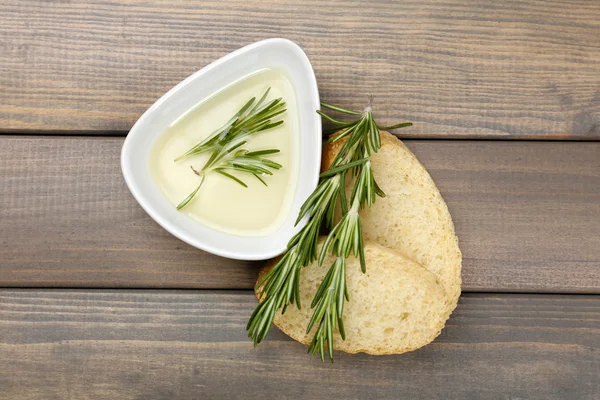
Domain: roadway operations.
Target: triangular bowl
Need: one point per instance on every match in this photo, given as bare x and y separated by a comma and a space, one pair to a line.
270, 53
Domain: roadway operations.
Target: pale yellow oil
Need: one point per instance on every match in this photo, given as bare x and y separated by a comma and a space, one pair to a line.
221, 203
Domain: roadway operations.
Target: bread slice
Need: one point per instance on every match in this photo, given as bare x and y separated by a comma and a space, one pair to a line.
412, 219
395, 307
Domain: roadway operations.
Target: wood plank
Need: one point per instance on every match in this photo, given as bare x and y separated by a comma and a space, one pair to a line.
517, 69
188, 344
526, 213
68, 219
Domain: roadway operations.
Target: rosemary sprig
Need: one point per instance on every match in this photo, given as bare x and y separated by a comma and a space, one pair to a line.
280, 287
249, 120
224, 145
249, 162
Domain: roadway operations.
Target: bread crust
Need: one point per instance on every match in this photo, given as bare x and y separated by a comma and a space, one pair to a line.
416, 331
407, 183
405, 247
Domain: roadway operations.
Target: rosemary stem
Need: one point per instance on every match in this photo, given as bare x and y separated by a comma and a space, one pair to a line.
281, 285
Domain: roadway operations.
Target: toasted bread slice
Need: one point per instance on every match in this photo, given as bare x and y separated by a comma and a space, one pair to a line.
413, 218
395, 307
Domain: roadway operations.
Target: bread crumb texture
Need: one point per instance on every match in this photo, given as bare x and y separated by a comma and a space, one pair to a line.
395, 307
412, 218
412, 283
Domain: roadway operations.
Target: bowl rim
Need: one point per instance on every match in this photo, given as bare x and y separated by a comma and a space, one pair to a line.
171, 226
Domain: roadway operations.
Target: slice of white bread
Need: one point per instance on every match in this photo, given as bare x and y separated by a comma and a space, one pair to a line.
395, 307
413, 218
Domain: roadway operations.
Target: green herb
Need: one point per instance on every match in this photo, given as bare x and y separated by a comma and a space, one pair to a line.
224, 144
281, 285
244, 161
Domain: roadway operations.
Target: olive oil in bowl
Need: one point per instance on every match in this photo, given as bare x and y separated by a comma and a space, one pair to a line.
257, 209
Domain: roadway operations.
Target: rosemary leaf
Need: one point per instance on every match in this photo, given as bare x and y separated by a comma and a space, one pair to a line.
401, 125
339, 109
262, 152
342, 168
330, 119
220, 171
190, 196
260, 179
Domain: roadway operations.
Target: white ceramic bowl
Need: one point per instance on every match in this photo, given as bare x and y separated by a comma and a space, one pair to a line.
270, 53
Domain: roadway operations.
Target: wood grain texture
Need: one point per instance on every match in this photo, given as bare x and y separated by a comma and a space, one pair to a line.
188, 344
68, 219
517, 69
527, 215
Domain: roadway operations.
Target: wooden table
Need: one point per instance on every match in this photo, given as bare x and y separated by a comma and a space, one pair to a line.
99, 302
